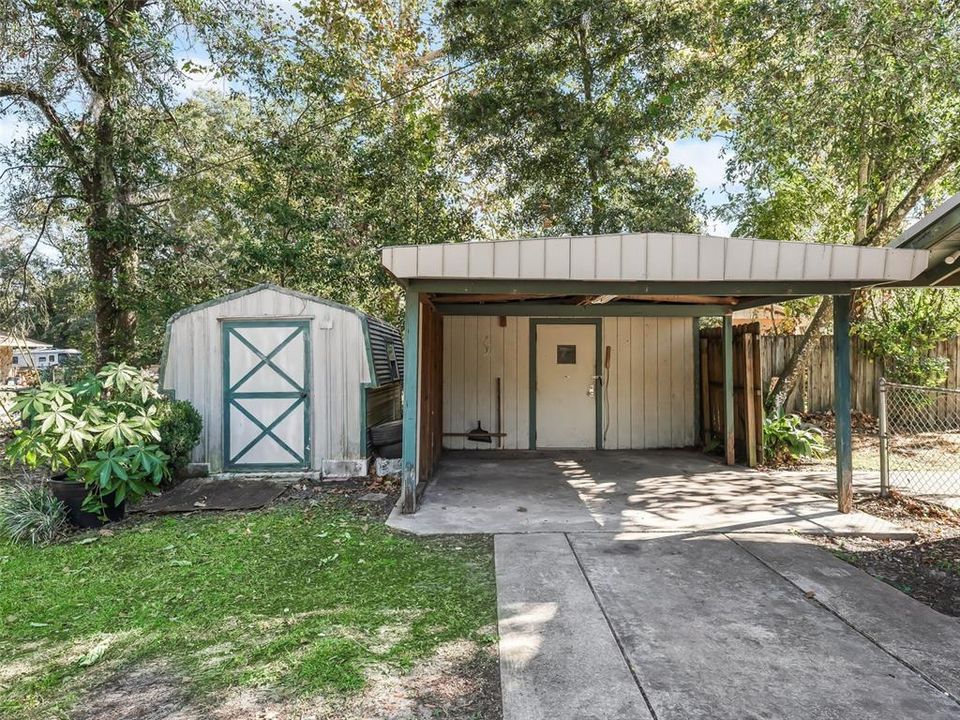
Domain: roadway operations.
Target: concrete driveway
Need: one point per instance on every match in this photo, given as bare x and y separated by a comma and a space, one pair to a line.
664, 585
680, 626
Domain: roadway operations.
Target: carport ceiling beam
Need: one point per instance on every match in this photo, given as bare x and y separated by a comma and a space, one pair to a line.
526, 309
597, 299
785, 288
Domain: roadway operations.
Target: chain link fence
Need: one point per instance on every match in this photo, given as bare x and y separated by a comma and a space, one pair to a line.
919, 439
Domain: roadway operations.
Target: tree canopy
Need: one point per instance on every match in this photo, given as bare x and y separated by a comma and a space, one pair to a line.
341, 127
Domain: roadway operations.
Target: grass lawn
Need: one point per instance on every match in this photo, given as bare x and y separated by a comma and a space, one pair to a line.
302, 602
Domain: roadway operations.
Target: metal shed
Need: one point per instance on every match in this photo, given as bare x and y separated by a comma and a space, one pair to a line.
284, 381
590, 340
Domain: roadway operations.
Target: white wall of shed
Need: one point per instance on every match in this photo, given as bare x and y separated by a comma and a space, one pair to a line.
194, 371
649, 401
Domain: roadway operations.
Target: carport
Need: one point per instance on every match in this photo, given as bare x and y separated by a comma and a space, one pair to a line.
588, 342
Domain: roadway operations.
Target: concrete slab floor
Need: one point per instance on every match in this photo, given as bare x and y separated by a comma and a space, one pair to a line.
711, 628
618, 491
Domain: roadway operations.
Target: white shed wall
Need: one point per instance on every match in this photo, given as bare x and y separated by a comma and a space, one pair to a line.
340, 365
648, 403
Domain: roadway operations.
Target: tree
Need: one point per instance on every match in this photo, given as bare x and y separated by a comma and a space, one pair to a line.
845, 120
904, 327
97, 78
566, 107
336, 149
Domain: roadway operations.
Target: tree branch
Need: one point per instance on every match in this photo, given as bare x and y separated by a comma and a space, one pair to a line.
922, 184
92, 77
38, 100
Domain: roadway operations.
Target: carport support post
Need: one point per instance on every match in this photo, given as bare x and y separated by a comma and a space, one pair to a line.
728, 439
411, 371
841, 401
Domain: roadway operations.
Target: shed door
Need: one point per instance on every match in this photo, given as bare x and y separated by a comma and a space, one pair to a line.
266, 395
566, 385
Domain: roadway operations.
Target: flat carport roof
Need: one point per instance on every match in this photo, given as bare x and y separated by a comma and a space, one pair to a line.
629, 275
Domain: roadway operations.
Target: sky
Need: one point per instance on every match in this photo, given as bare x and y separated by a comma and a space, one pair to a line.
706, 159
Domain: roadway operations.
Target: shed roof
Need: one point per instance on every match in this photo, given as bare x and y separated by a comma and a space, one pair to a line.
378, 334
703, 260
22, 343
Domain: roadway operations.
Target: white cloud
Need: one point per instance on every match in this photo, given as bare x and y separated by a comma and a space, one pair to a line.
12, 128
706, 159
202, 79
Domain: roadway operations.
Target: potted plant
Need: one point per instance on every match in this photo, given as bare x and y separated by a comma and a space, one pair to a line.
99, 439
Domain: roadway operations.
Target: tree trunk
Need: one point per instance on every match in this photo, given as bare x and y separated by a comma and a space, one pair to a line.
597, 210
113, 268
791, 373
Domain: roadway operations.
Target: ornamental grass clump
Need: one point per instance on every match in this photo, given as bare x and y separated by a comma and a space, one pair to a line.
30, 514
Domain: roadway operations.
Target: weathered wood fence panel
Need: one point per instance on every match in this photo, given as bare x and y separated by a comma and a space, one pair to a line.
815, 392
747, 400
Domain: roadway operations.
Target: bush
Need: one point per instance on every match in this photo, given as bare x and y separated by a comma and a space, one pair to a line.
902, 328
101, 431
30, 514
179, 424
785, 437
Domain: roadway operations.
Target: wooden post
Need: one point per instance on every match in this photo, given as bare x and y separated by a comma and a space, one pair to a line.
749, 401
705, 420
411, 352
841, 401
758, 397
728, 388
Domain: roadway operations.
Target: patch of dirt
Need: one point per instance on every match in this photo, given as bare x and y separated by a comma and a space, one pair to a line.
927, 568
147, 692
939, 448
864, 427
374, 496
459, 682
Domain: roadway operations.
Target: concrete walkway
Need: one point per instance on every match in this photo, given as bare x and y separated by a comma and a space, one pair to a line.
611, 491
682, 626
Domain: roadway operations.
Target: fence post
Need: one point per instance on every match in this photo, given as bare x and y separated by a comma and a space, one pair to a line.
728, 414
882, 412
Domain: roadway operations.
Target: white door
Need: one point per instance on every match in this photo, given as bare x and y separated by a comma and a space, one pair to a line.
566, 356
266, 399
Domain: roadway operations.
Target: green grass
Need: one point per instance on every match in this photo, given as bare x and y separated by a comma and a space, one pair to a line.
293, 599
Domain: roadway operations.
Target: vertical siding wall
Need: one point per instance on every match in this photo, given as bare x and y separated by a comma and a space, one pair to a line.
339, 367
648, 402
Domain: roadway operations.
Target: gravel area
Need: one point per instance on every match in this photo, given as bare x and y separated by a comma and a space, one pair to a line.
927, 568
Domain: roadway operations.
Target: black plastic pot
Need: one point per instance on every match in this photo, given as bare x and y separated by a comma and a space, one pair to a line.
72, 495
391, 452
387, 433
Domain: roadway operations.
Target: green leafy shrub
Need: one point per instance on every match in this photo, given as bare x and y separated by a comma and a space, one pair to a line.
902, 328
102, 431
786, 438
179, 424
30, 514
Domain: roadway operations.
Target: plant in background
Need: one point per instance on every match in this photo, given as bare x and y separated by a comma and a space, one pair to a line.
102, 431
902, 328
179, 424
787, 438
30, 514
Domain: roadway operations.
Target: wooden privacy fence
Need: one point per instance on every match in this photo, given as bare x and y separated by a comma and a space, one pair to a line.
747, 391
815, 391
